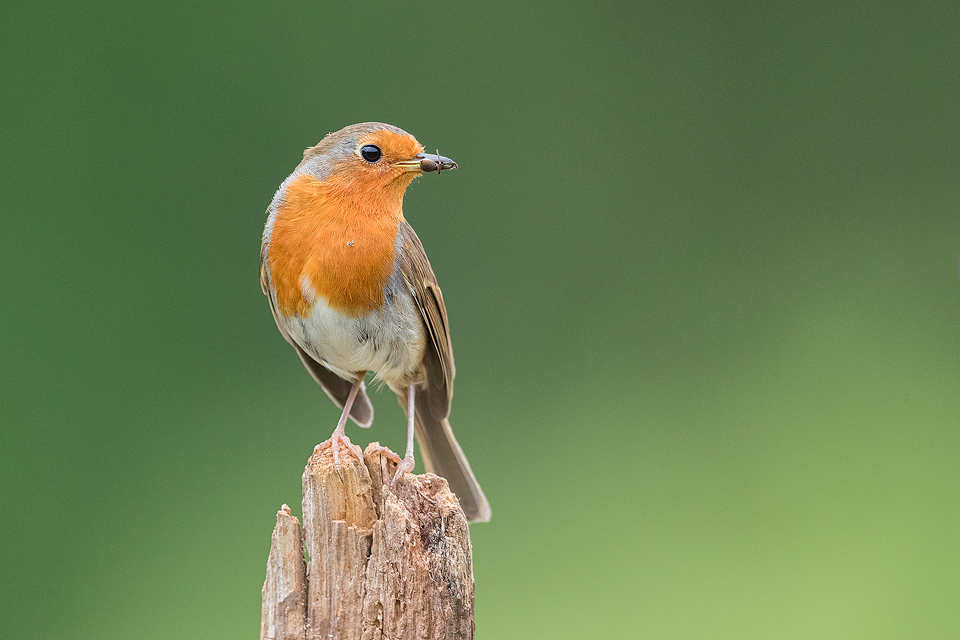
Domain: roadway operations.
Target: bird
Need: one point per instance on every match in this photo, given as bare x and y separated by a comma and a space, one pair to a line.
351, 289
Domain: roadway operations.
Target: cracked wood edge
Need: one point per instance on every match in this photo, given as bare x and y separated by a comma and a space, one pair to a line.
283, 614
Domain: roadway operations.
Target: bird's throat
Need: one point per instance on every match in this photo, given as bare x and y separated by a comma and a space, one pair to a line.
335, 242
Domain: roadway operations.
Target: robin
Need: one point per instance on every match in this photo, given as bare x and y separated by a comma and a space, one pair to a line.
352, 291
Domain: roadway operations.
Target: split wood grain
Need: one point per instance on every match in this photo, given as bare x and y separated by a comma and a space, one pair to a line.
283, 615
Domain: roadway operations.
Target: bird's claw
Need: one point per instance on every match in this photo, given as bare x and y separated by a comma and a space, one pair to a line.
334, 442
402, 465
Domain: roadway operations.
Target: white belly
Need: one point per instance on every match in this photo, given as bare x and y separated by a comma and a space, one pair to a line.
389, 341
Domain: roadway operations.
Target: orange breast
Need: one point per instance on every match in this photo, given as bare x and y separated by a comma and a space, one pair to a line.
340, 241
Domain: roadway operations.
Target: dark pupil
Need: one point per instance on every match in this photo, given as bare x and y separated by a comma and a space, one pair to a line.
370, 152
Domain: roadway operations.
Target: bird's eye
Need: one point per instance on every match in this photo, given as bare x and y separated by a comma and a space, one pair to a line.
370, 152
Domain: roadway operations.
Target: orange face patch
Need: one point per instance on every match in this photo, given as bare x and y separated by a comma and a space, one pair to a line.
395, 146
358, 178
339, 236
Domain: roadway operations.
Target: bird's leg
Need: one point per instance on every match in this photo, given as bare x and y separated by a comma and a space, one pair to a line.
339, 436
407, 463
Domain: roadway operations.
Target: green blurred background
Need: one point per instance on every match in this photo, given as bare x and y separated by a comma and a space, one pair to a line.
701, 264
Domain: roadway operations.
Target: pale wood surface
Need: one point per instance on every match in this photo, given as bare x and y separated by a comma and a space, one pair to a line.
284, 611
382, 564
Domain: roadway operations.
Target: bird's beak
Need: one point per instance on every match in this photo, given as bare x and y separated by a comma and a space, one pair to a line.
427, 162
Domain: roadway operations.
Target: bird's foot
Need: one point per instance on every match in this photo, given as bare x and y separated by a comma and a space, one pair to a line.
335, 442
402, 465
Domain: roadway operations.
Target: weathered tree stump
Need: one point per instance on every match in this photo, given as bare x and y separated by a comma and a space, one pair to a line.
382, 564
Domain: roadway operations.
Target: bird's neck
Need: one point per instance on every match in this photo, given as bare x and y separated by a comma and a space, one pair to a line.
334, 242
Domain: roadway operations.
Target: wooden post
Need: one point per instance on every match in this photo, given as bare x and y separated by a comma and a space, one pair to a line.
382, 564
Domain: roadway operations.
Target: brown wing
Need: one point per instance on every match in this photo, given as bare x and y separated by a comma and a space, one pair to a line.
438, 358
439, 448
336, 388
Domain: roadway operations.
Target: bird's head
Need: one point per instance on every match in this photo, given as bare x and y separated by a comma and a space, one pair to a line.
373, 157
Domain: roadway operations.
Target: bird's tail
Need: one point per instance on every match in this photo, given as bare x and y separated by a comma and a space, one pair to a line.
443, 456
